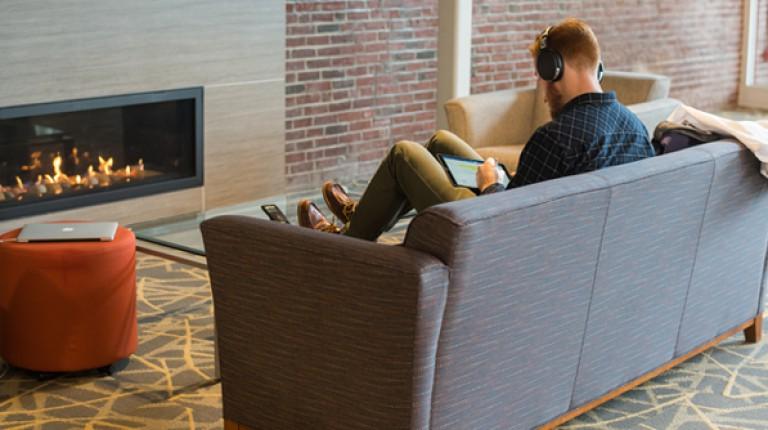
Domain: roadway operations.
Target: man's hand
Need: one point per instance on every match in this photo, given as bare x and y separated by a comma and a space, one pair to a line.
487, 174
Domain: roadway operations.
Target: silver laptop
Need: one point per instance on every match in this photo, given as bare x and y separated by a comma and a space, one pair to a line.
101, 231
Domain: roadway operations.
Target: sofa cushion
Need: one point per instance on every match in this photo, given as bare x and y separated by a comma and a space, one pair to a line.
733, 236
522, 264
646, 259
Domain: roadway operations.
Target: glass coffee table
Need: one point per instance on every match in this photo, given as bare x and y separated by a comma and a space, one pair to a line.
177, 237
182, 233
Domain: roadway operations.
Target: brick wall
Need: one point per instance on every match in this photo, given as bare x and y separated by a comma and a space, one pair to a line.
361, 75
696, 43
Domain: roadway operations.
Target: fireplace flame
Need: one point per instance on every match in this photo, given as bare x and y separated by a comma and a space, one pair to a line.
58, 176
57, 165
56, 181
105, 166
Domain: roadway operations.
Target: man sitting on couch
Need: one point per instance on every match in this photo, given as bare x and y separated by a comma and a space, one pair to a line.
589, 130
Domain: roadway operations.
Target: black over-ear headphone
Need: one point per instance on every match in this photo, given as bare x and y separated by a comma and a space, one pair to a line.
549, 62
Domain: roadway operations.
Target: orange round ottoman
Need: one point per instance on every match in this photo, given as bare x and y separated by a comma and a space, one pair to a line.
67, 306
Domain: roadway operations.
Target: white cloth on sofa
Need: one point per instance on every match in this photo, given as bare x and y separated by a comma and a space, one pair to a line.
752, 134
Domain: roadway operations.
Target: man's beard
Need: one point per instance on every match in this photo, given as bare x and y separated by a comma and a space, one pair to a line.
554, 100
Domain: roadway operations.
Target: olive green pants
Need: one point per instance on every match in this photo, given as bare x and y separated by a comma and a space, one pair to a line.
410, 176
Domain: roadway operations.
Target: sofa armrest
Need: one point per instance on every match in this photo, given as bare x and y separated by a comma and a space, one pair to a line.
322, 331
654, 112
492, 119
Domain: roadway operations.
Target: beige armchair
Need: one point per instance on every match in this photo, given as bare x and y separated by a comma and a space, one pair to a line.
498, 124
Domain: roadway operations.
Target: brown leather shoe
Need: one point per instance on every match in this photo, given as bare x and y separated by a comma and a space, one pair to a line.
338, 201
310, 216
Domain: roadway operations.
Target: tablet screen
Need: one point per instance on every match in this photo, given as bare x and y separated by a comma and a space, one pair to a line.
464, 171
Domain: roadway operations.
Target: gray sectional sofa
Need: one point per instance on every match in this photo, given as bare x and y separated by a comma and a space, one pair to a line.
516, 310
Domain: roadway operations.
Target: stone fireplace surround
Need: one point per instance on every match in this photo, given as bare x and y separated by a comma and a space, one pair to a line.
71, 154
77, 49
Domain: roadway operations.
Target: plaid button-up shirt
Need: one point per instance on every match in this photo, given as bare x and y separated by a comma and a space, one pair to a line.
592, 131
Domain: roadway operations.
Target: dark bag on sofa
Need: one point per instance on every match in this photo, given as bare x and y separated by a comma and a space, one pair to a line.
673, 136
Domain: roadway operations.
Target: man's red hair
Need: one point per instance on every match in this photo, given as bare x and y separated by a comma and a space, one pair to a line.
575, 41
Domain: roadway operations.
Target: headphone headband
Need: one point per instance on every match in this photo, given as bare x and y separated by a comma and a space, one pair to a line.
543, 38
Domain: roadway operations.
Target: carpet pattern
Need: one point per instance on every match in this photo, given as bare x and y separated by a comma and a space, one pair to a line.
724, 388
169, 383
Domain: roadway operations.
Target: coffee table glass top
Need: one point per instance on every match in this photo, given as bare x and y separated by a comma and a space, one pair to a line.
183, 232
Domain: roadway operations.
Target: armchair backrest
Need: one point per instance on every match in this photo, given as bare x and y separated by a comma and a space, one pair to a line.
631, 88
492, 119
509, 117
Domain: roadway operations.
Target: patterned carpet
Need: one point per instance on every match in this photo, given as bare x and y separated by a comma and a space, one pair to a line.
169, 383
725, 388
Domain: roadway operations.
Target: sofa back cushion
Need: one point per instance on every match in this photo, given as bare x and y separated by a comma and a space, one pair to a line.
726, 287
646, 258
521, 272
563, 290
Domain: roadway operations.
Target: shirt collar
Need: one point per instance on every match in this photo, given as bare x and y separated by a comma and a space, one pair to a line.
591, 98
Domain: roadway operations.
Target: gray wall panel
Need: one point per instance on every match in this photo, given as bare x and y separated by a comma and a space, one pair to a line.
70, 49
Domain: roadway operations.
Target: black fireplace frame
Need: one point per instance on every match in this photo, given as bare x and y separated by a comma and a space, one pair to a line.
107, 196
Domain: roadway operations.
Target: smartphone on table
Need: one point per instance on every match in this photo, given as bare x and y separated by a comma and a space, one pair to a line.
275, 214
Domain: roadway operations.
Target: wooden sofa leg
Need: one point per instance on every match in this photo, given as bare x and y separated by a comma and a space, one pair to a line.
754, 333
232, 425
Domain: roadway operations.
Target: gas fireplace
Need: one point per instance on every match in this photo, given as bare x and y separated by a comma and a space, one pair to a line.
68, 154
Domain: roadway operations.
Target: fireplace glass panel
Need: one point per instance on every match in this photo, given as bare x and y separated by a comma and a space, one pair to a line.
80, 155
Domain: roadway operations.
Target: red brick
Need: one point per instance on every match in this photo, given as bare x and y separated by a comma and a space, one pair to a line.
300, 123
318, 40
327, 141
309, 76
315, 132
295, 135
315, 110
295, 157
294, 65
336, 151
301, 167
302, 53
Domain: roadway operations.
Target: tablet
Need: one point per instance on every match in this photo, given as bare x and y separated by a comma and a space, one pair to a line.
463, 171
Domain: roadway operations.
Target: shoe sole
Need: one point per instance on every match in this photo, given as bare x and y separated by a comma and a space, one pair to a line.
301, 214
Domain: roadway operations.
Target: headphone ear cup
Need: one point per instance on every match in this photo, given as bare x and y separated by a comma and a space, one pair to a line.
600, 72
549, 65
